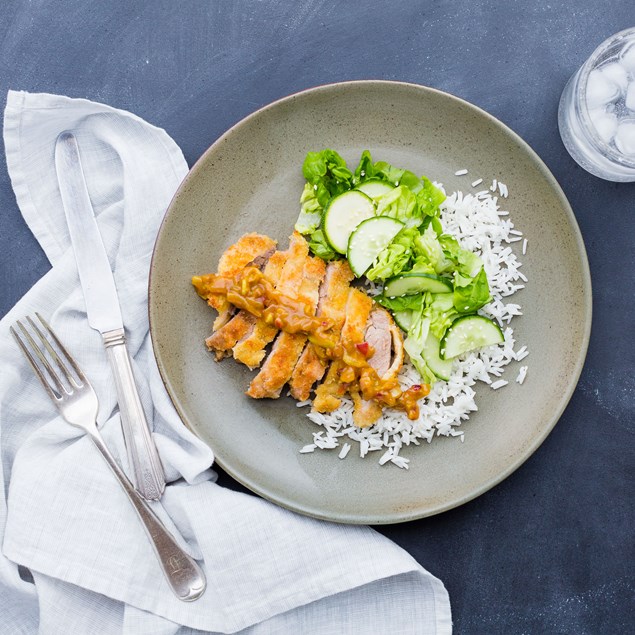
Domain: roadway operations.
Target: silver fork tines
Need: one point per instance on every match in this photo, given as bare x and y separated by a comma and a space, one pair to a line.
77, 402
57, 389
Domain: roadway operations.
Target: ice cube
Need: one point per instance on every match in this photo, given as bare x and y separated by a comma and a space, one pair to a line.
629, 102
617, 74
605, 123
625, 137
627, 58
600, 90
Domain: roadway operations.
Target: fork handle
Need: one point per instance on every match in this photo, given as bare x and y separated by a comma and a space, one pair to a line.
182, 573
142, 452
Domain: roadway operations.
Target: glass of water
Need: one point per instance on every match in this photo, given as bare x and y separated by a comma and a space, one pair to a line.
597, 110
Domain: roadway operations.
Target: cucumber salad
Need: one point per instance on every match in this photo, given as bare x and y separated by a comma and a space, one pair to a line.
386, 222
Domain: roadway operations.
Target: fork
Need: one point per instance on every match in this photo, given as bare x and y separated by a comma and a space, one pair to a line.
77, 402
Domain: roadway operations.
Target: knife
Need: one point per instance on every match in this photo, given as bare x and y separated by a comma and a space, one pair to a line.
104, 315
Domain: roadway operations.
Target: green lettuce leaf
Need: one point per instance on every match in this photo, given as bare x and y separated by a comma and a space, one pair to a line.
429, 255
422, 265
388, 172
310, 211
365, 169
429, 198
397, 176
403, 303
470, 293
399, 203
467, 262
413, 344
327, 172
441, 313
394, 258
320, 247
437, 226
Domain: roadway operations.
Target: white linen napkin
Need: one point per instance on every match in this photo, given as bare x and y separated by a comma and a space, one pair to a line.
74, 556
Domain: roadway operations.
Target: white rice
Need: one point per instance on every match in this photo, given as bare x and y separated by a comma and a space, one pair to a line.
345, 450
480, 226
460, 172
522, 373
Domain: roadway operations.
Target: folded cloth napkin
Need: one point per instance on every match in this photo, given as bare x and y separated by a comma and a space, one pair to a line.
74, 556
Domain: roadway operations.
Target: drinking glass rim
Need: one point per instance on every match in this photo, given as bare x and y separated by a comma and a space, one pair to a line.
581, 103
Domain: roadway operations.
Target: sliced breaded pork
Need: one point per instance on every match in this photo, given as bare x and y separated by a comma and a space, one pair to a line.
241, 324
248, 249
286, 350
250, 350
365, 411
297, 297
222, 341
332, 305
383, 335
286, 274
358, 308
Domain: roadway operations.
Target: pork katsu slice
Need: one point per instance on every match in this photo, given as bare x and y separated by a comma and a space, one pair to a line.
259, 262
246, 250
293, 270
222, 341
332, 305
241, 324
286, 274
278, 367
358, 307
365, 411
387, 341
250, 350
385, 338
249, 249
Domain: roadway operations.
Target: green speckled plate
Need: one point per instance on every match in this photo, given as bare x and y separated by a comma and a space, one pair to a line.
250, 180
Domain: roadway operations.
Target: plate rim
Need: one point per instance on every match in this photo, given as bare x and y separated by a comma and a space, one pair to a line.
587, 302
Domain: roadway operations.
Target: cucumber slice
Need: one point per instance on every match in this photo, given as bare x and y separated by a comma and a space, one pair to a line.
467, 333
442, 368
368, 240
343, 214
375, 188
413, 283
404, 319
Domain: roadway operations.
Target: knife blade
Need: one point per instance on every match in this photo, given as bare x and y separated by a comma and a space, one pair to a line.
104, 314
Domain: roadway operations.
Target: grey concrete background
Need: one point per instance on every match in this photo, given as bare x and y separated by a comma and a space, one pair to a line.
550, 550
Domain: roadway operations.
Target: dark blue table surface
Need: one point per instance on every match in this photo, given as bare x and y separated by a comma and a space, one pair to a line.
549, 550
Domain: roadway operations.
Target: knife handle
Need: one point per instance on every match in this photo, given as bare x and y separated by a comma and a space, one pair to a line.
142, 453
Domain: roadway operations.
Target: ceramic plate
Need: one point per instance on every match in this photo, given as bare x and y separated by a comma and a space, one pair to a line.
251, 180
